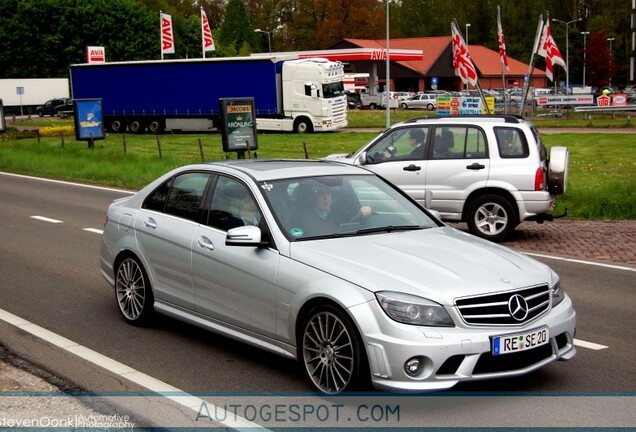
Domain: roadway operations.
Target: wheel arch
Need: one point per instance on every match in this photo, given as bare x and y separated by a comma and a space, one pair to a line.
507, 195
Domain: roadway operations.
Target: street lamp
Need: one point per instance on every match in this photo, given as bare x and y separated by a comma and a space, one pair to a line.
584, 53
269, 38
467, 25
610, 39
567, 52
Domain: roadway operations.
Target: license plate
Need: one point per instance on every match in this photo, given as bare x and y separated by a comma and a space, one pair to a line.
520, 341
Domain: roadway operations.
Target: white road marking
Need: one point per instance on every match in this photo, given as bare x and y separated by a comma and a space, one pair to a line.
45, 219
578, 261
94, 230
590, 345
182, 398
69, 183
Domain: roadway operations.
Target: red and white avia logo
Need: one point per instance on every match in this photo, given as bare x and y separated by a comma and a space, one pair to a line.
95, 54
167, 37
206, 32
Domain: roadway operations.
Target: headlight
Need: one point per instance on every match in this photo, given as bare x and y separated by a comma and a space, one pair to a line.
410, 309
558, 294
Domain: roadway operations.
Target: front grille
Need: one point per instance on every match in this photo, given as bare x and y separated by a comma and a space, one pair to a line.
489, 363
495, 309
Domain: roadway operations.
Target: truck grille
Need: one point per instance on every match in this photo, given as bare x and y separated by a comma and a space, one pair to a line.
509, 308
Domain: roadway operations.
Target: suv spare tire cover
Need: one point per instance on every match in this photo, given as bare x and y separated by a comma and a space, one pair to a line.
558, 170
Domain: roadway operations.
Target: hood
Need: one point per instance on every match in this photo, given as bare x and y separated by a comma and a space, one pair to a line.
440, 264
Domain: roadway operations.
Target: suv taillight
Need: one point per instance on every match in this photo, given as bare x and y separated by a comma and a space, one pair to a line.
539, 180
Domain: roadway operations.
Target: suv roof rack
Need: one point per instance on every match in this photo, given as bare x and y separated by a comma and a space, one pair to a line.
507, 118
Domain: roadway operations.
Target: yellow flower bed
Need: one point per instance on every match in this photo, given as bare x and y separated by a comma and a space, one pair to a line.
48, 131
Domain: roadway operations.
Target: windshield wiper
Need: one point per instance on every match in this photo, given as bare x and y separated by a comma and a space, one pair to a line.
389, 228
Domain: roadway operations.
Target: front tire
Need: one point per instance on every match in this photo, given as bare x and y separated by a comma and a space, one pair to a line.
303, 125
491, 217
332, 350
133, 292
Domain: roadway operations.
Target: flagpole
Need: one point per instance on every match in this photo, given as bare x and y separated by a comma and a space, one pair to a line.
503, 72
531, 65
161, 33
202, 35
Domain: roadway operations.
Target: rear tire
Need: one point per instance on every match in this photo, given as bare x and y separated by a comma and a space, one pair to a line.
491, 217
133, 292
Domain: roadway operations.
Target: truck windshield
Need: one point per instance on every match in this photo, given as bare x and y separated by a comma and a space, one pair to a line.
332, 90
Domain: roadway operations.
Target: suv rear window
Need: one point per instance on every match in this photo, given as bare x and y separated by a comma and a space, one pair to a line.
511, 143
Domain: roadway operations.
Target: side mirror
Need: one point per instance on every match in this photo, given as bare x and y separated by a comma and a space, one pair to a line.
244, 236
363, 158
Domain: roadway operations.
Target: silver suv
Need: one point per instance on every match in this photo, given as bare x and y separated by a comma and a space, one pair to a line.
492, 172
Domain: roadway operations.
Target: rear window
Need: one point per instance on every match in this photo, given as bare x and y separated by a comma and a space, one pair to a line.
511, 143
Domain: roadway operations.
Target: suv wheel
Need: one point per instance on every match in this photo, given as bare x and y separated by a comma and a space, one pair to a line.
491, 217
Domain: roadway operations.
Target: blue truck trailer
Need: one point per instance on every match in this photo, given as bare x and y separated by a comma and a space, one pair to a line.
305, 95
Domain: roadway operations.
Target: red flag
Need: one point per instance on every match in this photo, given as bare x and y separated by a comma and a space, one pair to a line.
206, 33
501, 41
549, 50
167, 36
462, 63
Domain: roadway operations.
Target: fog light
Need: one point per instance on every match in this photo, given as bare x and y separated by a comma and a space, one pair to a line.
413, 366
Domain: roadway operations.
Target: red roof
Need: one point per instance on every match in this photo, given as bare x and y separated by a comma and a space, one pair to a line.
485, 59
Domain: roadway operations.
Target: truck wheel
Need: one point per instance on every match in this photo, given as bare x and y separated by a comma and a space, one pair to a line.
137, 126
558, 170
156, 126
372, 106
117, 125
491, 217
303, 125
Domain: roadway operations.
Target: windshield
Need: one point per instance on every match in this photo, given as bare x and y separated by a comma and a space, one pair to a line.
332, 90
337, 206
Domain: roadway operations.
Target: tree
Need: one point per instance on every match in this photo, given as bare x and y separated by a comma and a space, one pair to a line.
236, 34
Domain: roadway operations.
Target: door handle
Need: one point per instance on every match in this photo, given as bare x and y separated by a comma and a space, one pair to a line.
412, 167
476, 166
150, 223
205, 243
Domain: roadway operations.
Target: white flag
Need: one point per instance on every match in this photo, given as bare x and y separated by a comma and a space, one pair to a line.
167, 36
206, 33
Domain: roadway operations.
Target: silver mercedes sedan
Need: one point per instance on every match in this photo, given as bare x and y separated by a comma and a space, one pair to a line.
329, 264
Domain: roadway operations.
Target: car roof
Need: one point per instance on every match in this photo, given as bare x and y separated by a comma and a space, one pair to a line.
500, 119
272, 169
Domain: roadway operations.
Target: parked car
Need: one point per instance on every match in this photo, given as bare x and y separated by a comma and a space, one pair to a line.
492, 172
420, 101
56, 107
353, 100
378, 291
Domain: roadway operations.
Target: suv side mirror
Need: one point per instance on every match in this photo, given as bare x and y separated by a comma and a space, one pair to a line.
363, 158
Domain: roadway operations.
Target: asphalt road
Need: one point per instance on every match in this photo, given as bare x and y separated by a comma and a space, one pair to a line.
49, 276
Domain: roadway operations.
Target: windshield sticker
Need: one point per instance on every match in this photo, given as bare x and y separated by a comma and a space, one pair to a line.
296, 232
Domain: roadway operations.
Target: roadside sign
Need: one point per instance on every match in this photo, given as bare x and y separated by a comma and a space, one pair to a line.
565, 100
238, 125
89, 124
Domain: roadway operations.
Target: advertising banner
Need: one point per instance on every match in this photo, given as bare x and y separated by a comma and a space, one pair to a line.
238, 124
89, 124
454, 105
565, 100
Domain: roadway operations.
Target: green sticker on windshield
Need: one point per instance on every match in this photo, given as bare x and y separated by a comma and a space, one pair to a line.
296, 232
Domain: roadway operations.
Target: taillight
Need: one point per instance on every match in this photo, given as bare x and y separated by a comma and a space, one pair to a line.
539, 180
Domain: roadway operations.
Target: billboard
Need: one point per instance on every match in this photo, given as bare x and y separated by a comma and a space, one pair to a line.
89, 124
238, 125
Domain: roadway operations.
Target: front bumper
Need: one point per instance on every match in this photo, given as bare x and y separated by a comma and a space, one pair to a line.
452, 355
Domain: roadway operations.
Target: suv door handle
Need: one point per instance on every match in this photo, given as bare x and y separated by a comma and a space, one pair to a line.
476, 166
412, 167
